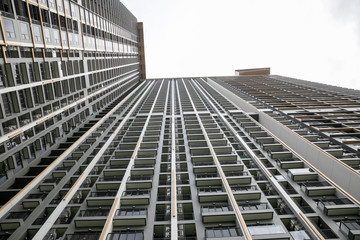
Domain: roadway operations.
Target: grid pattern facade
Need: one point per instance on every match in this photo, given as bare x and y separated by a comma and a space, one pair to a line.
61, 63
180, 159
87, 151
64, 65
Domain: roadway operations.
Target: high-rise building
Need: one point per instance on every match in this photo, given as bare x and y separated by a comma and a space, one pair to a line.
89, 151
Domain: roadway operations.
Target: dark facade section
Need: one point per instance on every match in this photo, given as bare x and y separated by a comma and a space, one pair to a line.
141, 50
64, 64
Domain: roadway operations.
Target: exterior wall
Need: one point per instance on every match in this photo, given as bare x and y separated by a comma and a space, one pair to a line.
252, 72
343, 175
141, 51
63, 65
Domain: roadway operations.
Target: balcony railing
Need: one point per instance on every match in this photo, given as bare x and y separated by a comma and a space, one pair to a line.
103, 194
139, 193
136, 235
215, 208
86, 235
131, 212
94, 212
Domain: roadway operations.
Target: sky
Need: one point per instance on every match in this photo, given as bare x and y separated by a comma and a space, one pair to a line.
317, 40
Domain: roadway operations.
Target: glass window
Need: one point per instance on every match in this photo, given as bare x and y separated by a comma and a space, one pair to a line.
2, 77
9, 28
17, 74
5, 6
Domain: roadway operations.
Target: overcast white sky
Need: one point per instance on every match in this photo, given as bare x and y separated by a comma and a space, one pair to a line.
316, 40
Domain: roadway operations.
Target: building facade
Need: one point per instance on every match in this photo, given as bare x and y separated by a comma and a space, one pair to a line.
89, 151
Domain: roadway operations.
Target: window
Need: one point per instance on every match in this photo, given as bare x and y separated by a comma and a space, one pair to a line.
253, 206
45, 16
215, 208
129, 235
6, 103
18, 159
5, 6
349, 225
54, 19
42, 70
36, 96
9, 28
22, 99
2, 77
18, 215
17, 74
31, 73
21, 12
220, 232
34, 13
132, 212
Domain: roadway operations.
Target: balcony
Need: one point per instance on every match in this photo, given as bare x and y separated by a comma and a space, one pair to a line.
109, 183
224, 232
135, 197
290, 163
302, 174
303, 205
139, 182
14, 220
204, 167
113, 172
91, 218
281, 155
134, 235
217, 212
33, 200
48, 184
208, 179
162, 217
237, 177
351, 228
256, 211
245, 193
145, 168
212, 194
101, 198
130, 217
83, 235
314, 189
337, 206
